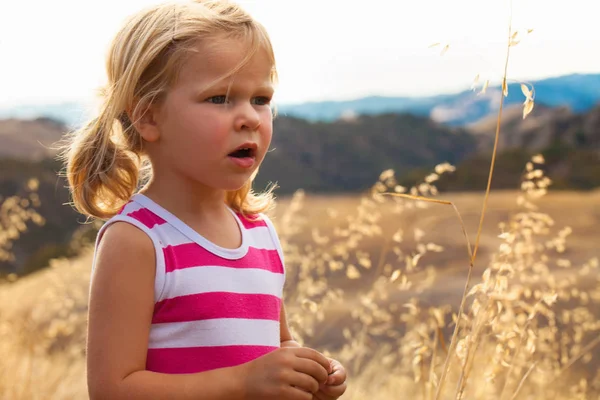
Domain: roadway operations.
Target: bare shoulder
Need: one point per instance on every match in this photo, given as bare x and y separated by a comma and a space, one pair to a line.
122, 241
125, 236
125, 262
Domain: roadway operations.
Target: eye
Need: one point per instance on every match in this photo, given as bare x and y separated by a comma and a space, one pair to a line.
222, 99
261, 101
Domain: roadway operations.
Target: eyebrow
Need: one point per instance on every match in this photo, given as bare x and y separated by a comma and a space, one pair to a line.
266, 88
221, 87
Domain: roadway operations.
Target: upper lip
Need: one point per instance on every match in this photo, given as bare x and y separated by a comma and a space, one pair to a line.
248, 145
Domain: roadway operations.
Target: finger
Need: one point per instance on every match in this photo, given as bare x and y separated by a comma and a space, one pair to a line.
303, 381
339, 373
298, 394
314, 355
322, 396
311, 368
338, 377
331, 391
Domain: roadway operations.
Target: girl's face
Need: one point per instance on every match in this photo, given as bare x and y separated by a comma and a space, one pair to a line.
214, 131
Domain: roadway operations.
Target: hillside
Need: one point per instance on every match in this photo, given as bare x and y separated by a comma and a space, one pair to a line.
346, 156
349, 155
29, 139
569, 142
543, 128
53, 239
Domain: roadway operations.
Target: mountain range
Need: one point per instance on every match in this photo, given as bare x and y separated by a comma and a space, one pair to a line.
578, 92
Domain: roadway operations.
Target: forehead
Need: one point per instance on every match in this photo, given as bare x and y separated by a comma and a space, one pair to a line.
214, 62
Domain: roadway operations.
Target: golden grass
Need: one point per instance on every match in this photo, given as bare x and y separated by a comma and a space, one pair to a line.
376, 281
15, 213
513, 340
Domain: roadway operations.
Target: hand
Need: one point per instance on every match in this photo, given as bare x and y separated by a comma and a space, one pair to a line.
290, 373
335, 385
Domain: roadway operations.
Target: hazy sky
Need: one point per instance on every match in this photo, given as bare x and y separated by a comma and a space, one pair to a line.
53, 51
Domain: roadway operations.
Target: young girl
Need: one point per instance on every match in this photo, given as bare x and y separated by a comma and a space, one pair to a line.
186, 293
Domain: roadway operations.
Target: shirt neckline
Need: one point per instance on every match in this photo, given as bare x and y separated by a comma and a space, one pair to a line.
193, 235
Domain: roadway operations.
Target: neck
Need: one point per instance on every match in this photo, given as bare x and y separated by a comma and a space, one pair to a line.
185, 197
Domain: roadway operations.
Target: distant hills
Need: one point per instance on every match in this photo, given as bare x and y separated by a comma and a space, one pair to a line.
569, 142
543, 128
345, 155
578, 92
349, 155
316, 156
29, 139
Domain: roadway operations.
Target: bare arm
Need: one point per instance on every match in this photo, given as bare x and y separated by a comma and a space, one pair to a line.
120, 314
286, 338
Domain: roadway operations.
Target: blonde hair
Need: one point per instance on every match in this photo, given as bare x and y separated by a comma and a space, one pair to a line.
105, 160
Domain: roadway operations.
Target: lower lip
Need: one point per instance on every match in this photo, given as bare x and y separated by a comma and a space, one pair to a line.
246, 162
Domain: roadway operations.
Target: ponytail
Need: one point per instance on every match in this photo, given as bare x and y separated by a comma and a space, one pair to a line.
103, 171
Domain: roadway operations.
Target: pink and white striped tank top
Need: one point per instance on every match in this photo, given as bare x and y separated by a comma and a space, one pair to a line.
214, 307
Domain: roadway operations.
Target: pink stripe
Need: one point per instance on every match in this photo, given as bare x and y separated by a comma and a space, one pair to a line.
122, 208
189, 255
146, 217
249, 221
213, 305
190, 360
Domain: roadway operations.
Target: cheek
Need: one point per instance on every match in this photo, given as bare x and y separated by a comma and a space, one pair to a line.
199, 129
267, 125
266, 134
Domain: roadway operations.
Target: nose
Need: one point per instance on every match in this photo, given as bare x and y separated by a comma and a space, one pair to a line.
247, 118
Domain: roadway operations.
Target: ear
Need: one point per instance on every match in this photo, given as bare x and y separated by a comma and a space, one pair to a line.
145, 122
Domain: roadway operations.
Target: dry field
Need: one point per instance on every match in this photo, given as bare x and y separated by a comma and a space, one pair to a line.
377, 282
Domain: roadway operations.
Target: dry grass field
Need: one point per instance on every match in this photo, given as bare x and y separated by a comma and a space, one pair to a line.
377, 281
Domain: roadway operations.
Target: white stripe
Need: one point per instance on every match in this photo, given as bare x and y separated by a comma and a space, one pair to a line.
215, 332
189, 281
132, 206
275, 238
170, 236
258, 237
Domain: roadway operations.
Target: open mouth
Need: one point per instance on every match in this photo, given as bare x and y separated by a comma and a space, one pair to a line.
244, 152
244, 156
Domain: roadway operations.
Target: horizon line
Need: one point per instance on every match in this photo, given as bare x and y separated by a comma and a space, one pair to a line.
89, 101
